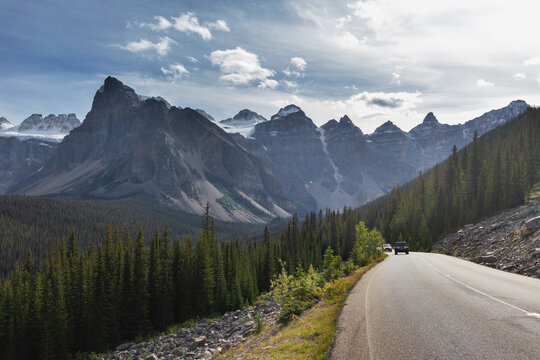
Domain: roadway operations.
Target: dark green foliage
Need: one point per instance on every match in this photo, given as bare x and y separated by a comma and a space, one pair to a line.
81, 300
40, 223
493, 173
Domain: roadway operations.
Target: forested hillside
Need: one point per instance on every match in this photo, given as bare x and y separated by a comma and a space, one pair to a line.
36, 224
493, 173
81, 300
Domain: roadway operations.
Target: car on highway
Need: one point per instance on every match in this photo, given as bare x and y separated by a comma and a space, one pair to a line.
401, 246
387, 248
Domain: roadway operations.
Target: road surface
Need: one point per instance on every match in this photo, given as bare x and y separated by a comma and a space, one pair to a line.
432, 306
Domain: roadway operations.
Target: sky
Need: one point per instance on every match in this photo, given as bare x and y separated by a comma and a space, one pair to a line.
374, 60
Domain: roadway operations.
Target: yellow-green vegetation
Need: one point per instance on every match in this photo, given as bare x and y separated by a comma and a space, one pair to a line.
308, 336
534, 194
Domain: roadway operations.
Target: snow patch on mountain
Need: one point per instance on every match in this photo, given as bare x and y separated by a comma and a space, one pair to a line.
243, 123
286, 111
158, 98
5, 123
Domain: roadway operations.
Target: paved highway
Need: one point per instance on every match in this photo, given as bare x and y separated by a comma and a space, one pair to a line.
432, 306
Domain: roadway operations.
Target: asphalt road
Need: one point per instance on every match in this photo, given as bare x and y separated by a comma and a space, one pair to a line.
432, 306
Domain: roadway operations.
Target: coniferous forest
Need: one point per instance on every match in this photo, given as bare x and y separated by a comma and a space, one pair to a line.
85, 300
493, 173
36, 224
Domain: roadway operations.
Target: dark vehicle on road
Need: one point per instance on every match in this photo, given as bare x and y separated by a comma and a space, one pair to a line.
401, 246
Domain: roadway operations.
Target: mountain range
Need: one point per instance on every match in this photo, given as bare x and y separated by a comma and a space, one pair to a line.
247, 168
51, 127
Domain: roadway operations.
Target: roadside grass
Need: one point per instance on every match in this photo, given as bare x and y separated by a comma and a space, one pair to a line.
309, 336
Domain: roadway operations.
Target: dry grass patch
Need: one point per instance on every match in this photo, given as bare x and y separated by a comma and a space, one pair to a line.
309, 336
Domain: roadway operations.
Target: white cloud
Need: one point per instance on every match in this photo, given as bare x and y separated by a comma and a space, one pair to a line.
189, 23
290, 84
162, 47
175, 71
268, 83
348, 41
219, 25
342, 21
299, 63
396, 79
373, 13
535, 60
299, 66
192, 59
162, 24
538, 80
520, 76
241, 67
481, 83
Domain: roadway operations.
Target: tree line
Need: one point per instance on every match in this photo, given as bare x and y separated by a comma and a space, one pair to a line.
493, 173
38, 223
80, 300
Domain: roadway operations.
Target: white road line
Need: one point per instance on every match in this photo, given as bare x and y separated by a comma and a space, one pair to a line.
528, 313
370, 347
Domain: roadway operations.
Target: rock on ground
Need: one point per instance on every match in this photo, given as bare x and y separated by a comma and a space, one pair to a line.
205, 340
508, 241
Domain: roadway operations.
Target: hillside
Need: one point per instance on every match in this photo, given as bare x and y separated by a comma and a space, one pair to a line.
493, 173
508, 241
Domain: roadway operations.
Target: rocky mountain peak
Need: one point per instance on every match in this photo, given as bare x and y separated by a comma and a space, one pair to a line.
286, 111
387, 127
60, 123
158, 98
5, 123
330, 124
518, 104
113, 91
247, 115
430, 119
345, 121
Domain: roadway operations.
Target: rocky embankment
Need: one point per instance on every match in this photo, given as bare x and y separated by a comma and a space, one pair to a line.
508, 241
205, 340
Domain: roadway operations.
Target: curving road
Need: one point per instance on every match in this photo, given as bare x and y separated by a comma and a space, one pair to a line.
432, 306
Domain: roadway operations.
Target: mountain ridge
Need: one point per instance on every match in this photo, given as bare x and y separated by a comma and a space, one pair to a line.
130, 144
127, 146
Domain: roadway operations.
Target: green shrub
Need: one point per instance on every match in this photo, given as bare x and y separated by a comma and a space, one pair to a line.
295, 294
349, 268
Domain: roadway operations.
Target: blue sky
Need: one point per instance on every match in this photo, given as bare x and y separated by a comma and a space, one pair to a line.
374, 60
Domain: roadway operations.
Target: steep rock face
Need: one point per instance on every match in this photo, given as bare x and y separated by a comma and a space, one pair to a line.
291, 145
60, 123
128, 146
21, 158
205, 114
364, 169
